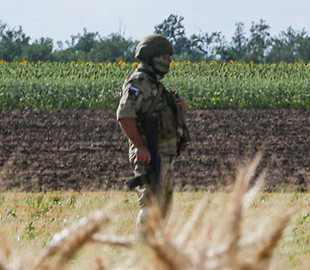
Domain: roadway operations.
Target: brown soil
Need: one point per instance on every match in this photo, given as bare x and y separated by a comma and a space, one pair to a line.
86, 150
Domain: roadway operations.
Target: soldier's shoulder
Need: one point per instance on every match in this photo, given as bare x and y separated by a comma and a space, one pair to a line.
138, 77
139, 82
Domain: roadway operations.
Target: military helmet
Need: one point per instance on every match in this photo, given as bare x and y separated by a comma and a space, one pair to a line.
153, 45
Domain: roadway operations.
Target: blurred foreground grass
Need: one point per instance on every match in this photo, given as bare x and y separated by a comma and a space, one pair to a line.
29, 220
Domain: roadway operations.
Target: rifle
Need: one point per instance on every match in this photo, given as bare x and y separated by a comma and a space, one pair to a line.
152, 176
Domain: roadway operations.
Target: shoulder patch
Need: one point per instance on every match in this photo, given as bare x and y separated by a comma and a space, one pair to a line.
133, 90
137, 85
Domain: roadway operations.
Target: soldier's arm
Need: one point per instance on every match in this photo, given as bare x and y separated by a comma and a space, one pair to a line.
129, 126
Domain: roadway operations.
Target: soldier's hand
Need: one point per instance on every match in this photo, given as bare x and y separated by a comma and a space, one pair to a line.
143, 155
182, 103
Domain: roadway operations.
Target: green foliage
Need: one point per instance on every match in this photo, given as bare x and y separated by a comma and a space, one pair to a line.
91, 47
208, 45
12, 42
290, 46
41, 86
30, 231
40, 50
113, 49
259, 42
174, 30
238, 48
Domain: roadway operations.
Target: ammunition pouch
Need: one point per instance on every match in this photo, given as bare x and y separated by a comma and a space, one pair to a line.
172, 122
166, 123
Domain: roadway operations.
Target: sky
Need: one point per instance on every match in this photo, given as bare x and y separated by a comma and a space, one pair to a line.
60, 19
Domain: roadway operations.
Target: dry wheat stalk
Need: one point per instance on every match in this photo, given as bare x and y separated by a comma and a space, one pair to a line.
207, 242
167, 255
114, 240
8, 260
69, 241
99, 265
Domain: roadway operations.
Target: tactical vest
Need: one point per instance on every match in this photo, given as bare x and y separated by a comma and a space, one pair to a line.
171, 120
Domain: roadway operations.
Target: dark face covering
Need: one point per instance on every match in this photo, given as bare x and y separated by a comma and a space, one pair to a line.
161, 64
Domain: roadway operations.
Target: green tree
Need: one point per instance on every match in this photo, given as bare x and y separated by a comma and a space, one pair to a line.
39, 50
173, 29
284, 47
208, 45
259, 42
12, 42
290, 46
92, 47
303, 50
113, 48
237, 49
86, 42
79, 47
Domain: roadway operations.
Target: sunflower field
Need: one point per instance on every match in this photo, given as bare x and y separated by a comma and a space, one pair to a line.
84, 85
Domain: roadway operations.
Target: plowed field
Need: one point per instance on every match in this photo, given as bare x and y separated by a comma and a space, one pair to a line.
86, 150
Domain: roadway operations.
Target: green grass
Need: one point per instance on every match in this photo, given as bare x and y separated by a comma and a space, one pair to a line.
29, 220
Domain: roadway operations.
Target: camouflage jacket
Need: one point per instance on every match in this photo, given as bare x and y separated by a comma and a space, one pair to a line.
138, 93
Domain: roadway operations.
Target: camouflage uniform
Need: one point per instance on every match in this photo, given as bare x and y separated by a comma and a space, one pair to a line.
138, 93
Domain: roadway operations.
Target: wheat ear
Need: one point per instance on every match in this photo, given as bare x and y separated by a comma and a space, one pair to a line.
8, 260
236, 213
269, 242
69, 241
167, 255
114, 240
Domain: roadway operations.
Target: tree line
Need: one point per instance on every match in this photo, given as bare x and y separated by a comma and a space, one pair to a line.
258, 46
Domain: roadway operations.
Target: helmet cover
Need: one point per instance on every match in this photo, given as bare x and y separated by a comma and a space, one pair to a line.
153, 45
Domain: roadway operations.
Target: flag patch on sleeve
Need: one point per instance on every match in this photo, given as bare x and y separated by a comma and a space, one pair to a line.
134, 90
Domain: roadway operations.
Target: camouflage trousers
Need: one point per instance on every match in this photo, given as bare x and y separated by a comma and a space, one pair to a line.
165, 191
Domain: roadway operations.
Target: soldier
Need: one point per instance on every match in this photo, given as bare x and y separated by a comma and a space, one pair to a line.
142, 94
